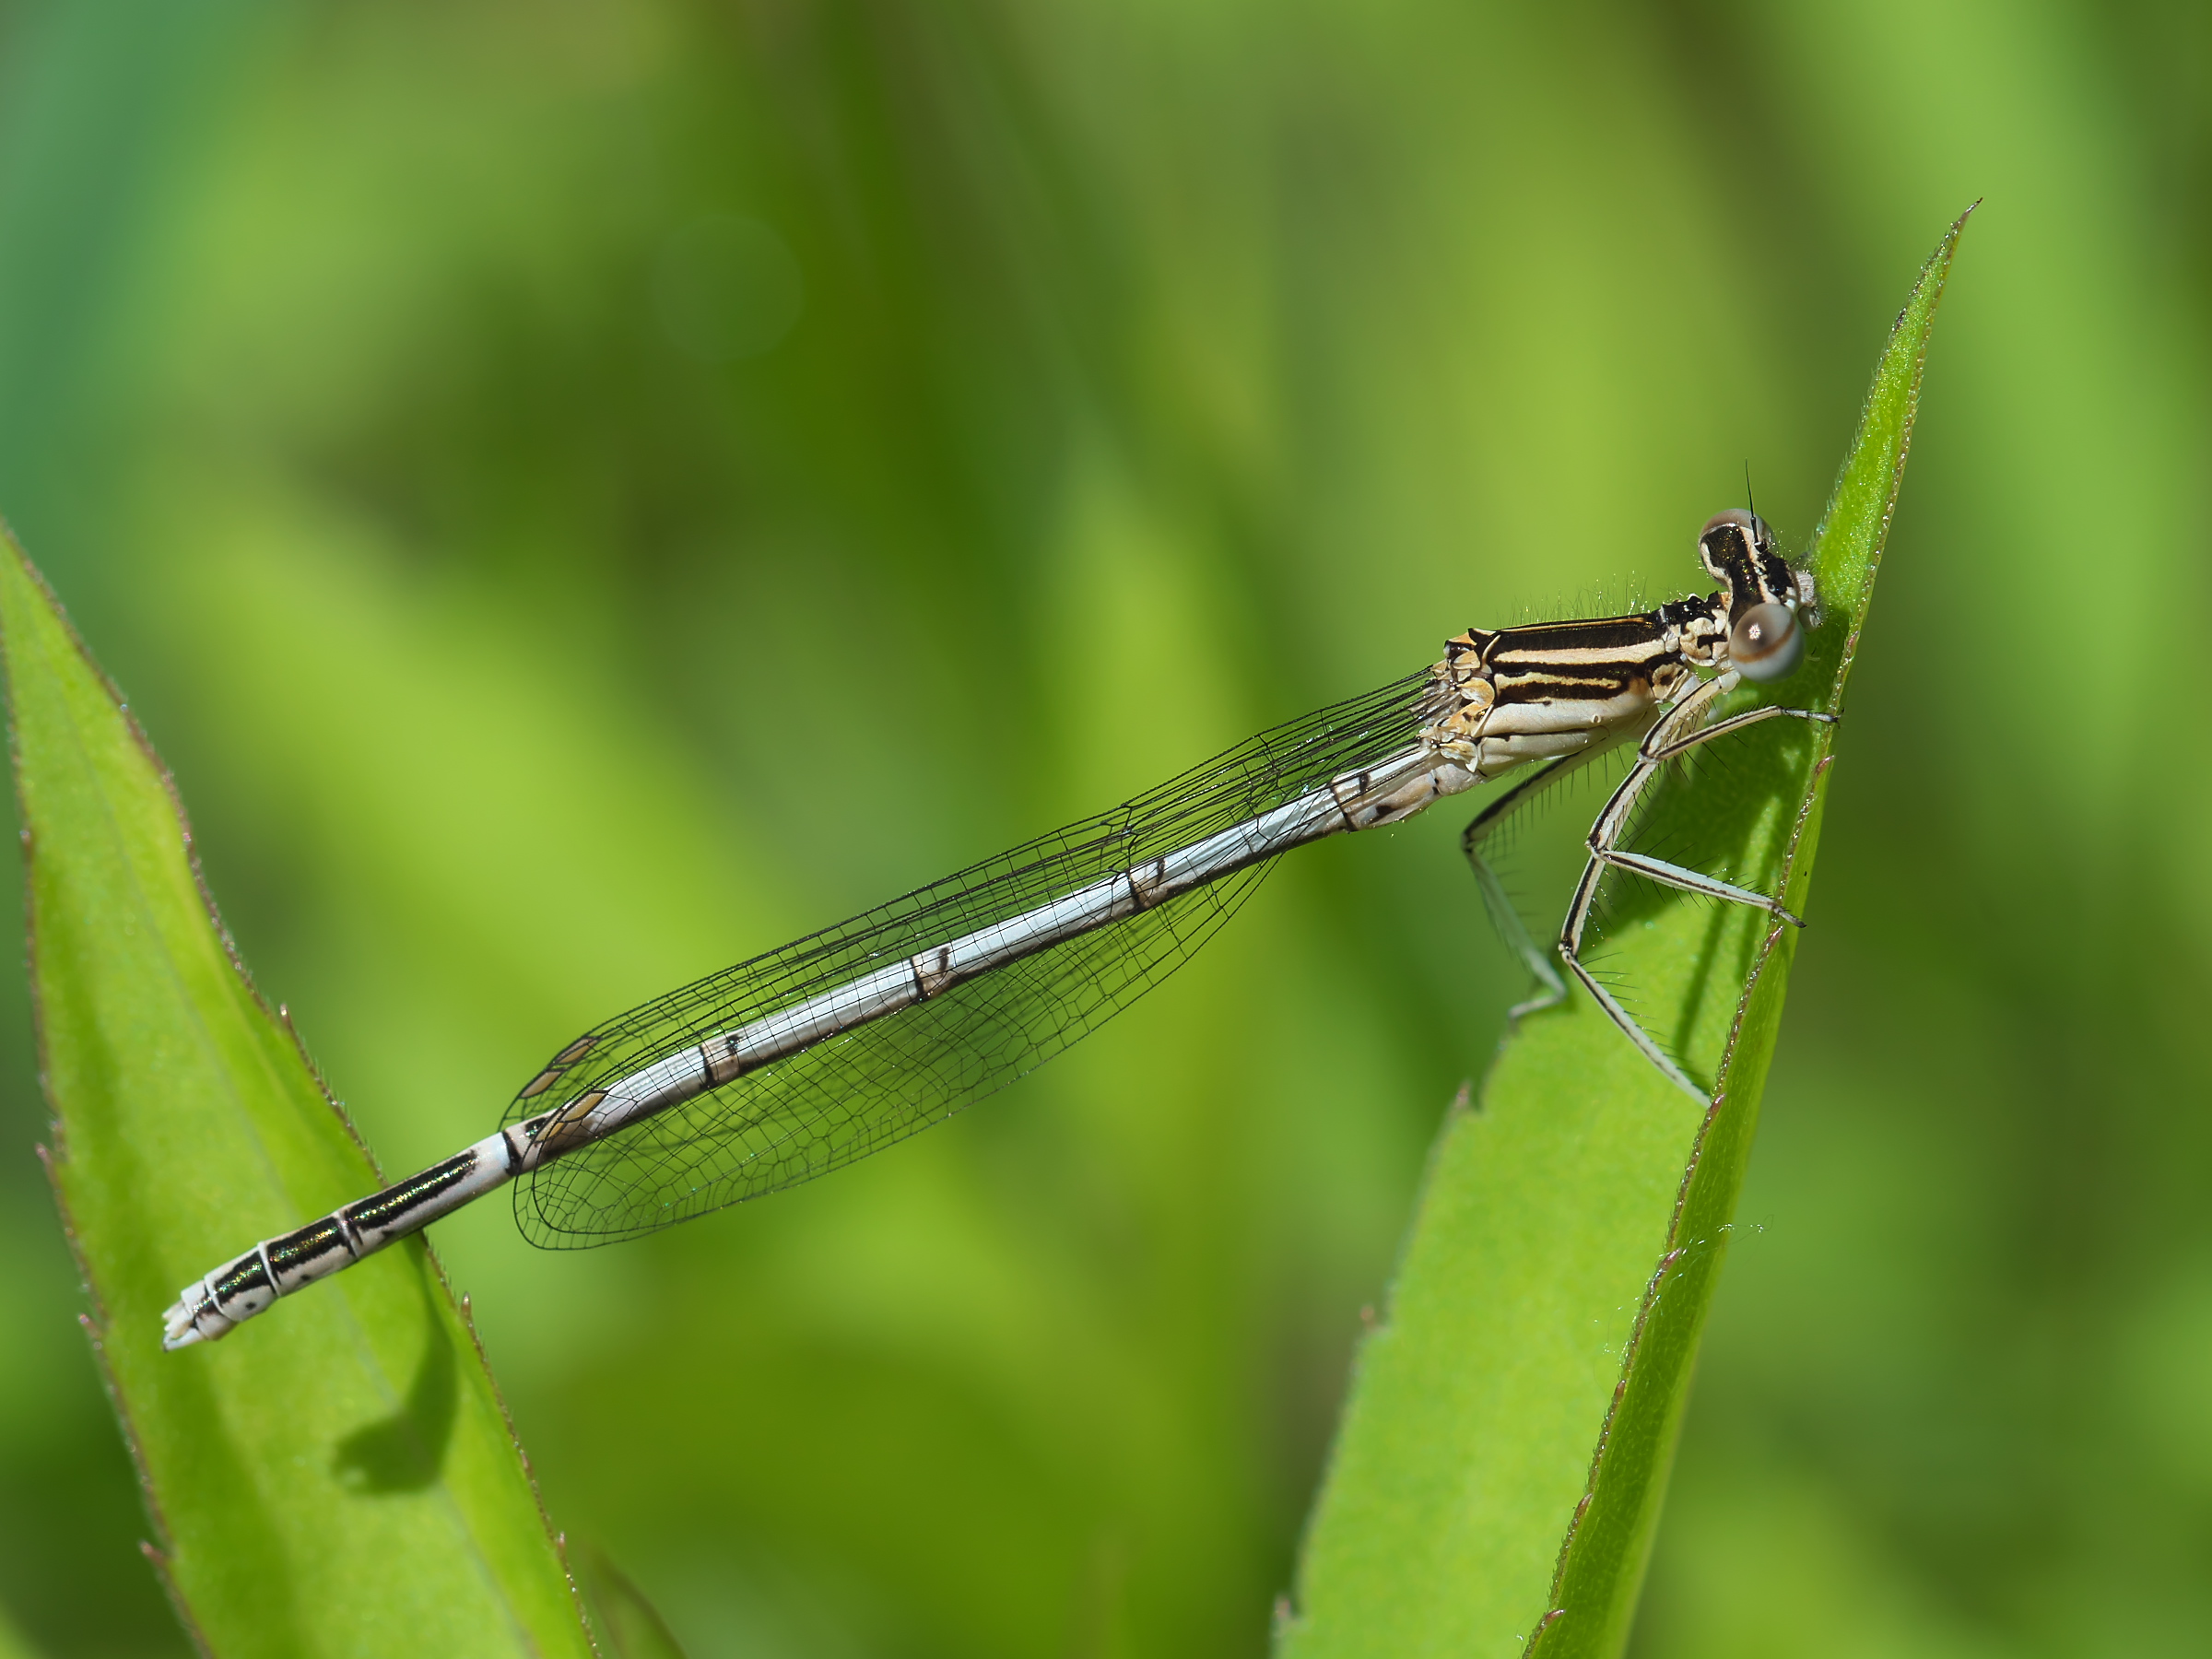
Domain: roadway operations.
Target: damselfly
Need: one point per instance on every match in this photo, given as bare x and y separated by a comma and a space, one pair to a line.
791, 1065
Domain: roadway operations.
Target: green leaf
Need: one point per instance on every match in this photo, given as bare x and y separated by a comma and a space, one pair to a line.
339, 1478
628, 1625
1527, 1384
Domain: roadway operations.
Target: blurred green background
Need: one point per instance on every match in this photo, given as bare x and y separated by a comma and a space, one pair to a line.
583, 491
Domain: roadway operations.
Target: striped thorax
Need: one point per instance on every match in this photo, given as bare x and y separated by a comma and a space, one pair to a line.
1508, 697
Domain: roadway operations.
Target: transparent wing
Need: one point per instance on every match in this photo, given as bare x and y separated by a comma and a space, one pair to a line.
823, 1108
1528, 846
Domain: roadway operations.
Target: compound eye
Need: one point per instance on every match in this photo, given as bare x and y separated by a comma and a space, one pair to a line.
1766, 644
1754, 527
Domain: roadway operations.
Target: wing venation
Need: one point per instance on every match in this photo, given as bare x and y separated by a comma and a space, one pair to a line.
844, 1098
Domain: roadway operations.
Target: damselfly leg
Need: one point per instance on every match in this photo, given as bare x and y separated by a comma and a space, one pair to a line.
1505, 916
1679, 730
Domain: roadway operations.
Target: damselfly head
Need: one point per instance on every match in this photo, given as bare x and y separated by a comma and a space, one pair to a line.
1766, 641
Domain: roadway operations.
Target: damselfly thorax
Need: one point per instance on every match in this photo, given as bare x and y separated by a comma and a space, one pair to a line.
803, 1059
1554, 689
